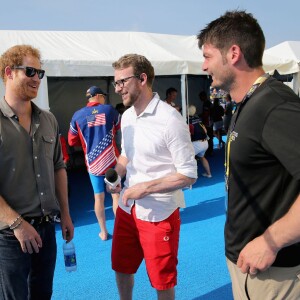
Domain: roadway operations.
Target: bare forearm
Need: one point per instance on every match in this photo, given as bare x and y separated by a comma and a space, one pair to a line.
121, 166
285, 231
168, 184
162, 185
61, 190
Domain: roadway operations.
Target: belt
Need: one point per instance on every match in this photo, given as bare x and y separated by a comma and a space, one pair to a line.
39, 220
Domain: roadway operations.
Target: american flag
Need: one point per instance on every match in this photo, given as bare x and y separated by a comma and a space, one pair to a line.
102, 156
96, 120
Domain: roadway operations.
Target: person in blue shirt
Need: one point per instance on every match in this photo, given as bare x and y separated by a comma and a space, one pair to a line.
94, 128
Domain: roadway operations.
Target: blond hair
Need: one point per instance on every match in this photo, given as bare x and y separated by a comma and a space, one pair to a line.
139, 63
192, 110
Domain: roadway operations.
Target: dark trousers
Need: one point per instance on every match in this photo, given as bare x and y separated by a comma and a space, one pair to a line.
26, 276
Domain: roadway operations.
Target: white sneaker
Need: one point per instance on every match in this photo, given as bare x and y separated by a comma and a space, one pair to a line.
56, 219
206, 175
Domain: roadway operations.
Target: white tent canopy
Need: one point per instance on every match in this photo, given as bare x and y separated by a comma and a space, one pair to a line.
88, 54
92, 53
73, 53
289, 50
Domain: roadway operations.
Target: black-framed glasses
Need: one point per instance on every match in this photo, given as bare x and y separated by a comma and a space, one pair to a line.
120, 83
30, 71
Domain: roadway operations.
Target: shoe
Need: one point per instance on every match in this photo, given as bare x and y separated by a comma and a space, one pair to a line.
206, 175
56, 219
221, 145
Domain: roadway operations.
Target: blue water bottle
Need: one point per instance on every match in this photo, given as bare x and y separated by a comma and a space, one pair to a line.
69, 256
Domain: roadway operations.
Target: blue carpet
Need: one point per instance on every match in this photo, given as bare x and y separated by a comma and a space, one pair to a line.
202, 271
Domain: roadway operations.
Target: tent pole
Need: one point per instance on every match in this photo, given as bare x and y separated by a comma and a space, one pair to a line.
42, 99
183, 95
296, 83
107, 89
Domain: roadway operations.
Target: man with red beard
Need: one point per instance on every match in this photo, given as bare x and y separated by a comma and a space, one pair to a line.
158, 160
33, 181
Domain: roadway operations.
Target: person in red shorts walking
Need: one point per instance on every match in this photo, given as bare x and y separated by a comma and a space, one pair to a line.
158, 160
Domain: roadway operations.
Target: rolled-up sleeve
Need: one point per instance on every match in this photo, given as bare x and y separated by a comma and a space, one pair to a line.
180, 146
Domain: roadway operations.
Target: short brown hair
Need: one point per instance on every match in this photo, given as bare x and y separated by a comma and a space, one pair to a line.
236, 27
139, 63
14, 57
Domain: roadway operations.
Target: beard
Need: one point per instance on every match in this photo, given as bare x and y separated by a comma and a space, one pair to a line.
25, 92
132, 96
227, 81
226, 78
129, 100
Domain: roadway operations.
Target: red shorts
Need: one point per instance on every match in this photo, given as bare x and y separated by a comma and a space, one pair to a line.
156, 242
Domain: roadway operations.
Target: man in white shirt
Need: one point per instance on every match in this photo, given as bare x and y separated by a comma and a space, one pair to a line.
158, 161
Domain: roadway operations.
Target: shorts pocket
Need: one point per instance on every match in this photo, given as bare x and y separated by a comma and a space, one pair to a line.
164, 226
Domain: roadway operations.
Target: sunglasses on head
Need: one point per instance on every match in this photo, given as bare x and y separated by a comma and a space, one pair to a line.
30, 71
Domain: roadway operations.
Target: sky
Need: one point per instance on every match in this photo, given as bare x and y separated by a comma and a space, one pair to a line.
280, 20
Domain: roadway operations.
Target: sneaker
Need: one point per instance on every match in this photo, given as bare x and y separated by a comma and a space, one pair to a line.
56, 219
206, 175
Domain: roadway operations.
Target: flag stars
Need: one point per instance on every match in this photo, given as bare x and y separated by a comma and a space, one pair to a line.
100, 147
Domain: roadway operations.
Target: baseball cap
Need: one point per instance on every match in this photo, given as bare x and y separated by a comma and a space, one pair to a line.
93, 91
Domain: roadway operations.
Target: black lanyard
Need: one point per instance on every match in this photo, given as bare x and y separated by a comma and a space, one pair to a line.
232, 135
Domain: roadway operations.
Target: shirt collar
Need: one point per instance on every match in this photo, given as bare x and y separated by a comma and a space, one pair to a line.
8, 112
6, 109
93, 103
151, 105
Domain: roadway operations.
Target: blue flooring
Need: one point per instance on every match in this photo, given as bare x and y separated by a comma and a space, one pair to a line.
202, 272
